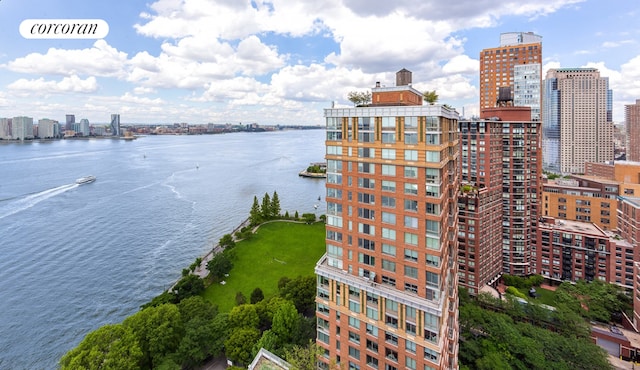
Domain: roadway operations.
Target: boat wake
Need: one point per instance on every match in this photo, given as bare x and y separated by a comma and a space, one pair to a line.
19, 204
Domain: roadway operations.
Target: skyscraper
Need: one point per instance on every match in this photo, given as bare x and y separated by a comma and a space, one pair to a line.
632, 126
387, 286
515, 64
115, 124
498, 203
577, 120
70, 120
22, 128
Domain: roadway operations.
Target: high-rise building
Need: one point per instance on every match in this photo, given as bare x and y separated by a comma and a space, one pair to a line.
387, 286
514, 66
70, 120
83, 127
5, 128
115, 125
501, 177
48, 128
577, 120
22, 128
632, 126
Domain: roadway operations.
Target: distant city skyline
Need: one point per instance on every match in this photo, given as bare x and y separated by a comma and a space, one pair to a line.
272, 63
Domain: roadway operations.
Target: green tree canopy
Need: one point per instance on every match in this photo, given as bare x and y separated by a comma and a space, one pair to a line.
266, 207
430, 96
240, 344
255, 214
275, 205
110, 347
359, 98
188, 286
244, 316
219, 265
256, 296
158, 330
302, 292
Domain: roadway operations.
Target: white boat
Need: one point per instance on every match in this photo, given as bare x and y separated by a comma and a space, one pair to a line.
86, 180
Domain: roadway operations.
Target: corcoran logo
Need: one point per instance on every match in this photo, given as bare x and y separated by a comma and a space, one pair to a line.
64, 29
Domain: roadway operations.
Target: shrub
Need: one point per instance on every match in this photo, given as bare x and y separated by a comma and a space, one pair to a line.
515, 292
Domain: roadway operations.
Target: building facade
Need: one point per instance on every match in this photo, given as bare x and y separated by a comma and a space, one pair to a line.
5, 128
387, 286
577, 120
632, 127
515, 64
48, 128
115, 125
572, 251
22, 128
480, 204
582, 198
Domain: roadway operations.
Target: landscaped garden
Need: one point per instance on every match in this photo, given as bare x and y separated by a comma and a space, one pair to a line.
278, 249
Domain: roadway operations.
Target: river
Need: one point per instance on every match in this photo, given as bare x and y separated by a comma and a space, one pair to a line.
76, 257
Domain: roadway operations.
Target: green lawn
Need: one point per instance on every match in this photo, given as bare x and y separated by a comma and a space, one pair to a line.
545, 296
278, 249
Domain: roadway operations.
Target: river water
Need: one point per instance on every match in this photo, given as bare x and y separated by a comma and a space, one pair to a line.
76, 257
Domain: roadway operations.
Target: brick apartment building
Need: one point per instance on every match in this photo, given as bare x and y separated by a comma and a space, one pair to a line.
387, 286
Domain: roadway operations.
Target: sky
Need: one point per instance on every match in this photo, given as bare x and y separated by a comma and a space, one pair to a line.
285, 61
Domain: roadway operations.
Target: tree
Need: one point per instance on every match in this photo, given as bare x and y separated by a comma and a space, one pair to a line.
188, 286
359, 98
256, 296
110, 347
240, 344
304, 357
266, 207
430, 97
196, 307
275, 205
227, 241
240, 298
244, 316
197, 343
255, 215
285, 322
219, 265
158, 330
302, 292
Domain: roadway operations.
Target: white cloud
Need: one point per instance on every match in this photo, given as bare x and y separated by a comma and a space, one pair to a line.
99, 60
615, 44
40, 86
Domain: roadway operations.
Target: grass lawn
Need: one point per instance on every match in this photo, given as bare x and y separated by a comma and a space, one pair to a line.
277, 249
545, 296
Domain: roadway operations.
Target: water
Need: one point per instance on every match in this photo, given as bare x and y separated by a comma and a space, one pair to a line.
76, 257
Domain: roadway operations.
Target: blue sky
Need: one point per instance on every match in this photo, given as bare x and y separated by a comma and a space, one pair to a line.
283, 62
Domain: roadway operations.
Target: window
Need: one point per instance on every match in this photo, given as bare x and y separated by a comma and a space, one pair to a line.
411, 205
411, 172
388, 170
388, 202
388, 233
411, 347
433, 156
411, 222
411, 272
372, 330
411, 155
389, 218
388, 249
433, 279
411, 255
388, 186
388, 137
432, 208
388, 265
411, 239
354, 352
433, 260
411, 189
390, 338
388, 154
354, 337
